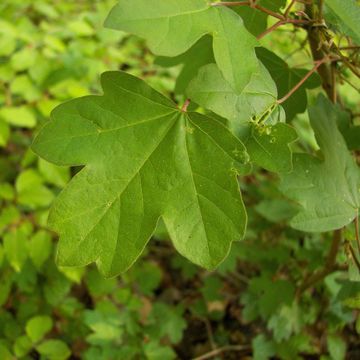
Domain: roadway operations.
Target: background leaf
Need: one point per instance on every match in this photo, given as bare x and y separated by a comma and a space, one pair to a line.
327, 188
172, 27
175, 165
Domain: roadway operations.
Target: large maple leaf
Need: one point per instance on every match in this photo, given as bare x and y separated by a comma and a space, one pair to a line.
144, 160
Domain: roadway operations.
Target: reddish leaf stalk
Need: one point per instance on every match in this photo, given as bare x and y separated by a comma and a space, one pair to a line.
251, 4
283, 22
186, 105
302, 81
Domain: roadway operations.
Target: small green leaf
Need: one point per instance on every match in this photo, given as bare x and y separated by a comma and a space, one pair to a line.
23, 86
5, 353
31, 190
172, 27
285, 322
81, 28
40, 248
156, 351
6, 191
106, 328
172, 322
8, 216
144, 160
336, 346
327, 188
21, 116
15, 246
22, 346
263, 349
4, 133
37, 327
270, 295
24, 58
57, 286
54, 350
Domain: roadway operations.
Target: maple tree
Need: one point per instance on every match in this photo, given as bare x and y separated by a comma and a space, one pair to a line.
227, 132
146, 158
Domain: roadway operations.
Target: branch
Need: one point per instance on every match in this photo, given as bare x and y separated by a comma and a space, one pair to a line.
280, 23
330, 265
318, 53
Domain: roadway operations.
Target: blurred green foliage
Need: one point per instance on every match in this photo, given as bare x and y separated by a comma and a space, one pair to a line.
164, 307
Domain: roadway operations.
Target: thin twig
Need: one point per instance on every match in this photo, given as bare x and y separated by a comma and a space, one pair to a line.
221, 350
280, 23
351, 47
269, 12
302, 81
270, 29
251, 4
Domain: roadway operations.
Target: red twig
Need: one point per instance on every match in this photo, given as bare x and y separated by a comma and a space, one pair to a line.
271, 29
251, 4
280, 23
186, 105
302, 81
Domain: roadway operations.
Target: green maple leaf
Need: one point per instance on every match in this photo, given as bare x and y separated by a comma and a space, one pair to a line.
171, 27
144, 159
327, 188
253, 114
